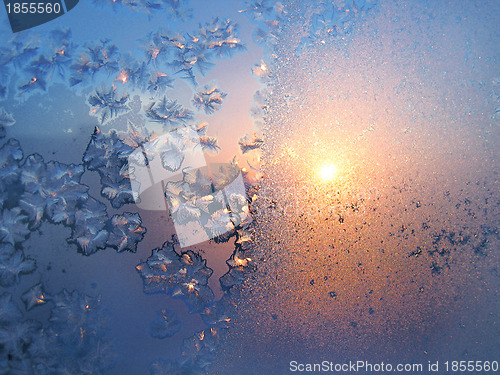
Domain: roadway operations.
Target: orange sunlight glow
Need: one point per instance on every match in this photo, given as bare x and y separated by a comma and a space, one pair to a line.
327, 172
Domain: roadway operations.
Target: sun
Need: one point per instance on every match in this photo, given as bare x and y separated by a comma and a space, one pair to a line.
327, 172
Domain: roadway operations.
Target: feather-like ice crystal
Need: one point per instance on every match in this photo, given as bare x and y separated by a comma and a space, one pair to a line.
168, 113
13, 263
126, 232
13, 226
183, 276
89, 231
209, 99
35, 296
107, 103
251, 141
166, 324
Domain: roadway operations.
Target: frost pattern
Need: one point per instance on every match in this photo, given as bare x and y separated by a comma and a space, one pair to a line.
107, 103
168, 113
166, 324
126, 232
250, 142
73, 342
35, 191
183, 276
209, 99
178, 9
107, 154
13, 263
35, 296
6, 119
56, 58
198, 352
96, 58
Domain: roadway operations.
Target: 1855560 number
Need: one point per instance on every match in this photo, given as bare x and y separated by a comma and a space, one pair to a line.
471, 366
33, 8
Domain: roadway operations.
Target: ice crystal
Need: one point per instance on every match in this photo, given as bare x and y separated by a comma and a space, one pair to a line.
3, 91
60, 36
74, 310
6, 119
54, 65
132, 71
184, 204
15, 337
13, 226
261, 70
209, 144
239, 259
73, 342
220, 37
35, 296
169, 149
4, 76
182, 276
235, 276
36, 81
332, 20
260, 36
53, 188
34, 174
206, 198
166, 324
76, 339
250, 142
198, 351
188, 61
178, 9
89, 231
21, 51
168, 113
176, 41
117, 189
107, 104
219, 223
136, 135
33, 205
63, 192
97, 57
126, 232
159, 82
107, 154
215, 315
159, 272
258, 10
209, 99
105, 151
240, 264
155, 48
10, 155
13, 265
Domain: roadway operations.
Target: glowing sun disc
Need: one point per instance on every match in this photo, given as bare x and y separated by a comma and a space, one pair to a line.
327, 172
